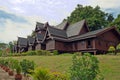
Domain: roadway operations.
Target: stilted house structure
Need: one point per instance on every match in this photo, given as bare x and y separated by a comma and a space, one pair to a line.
22, 44
75, 37
31, 45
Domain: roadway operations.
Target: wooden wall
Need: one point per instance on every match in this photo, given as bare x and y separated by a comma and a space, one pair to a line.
104, 41
50, 45
38, 47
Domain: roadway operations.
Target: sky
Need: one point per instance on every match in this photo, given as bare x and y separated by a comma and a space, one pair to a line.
18, 17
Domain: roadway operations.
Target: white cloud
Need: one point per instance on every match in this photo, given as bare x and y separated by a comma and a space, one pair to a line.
9, 29
17, 9
106, 3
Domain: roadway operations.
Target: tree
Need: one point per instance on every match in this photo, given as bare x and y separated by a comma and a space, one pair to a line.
110, 18
116, 22
3, 46
33, 33
95, 17
11, 46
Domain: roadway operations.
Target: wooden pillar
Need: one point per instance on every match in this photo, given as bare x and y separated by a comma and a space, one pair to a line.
94, 52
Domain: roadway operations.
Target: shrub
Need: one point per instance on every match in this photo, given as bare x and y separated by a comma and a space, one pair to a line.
43, 52
41, 74
12, 63
55, 52
78, 53
111, 50
30, 53
0, 53
24, 54
18, 69
84, 68
27, 65
59, 76
39, 52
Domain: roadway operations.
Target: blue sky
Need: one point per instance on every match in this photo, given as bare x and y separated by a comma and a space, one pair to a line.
18, 17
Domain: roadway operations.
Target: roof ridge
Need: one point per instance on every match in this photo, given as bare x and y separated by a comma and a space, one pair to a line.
57, 28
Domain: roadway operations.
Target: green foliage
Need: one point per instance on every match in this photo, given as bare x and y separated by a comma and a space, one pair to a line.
3, 46
43, 52
27, 66
118, 47
95, 17
116, 22
55, 52
13, 63
30, 53
11, 46
59, 76
1, 53
111, 50
78, 53
45, 74
18, 69
41, 74
84, 68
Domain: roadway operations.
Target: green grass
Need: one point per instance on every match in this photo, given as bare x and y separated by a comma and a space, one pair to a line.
109, 64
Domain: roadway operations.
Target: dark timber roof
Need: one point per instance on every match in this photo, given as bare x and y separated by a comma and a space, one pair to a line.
22, 41
39, 26
90, 34
74, 29
31, 40
62, 25
40, 36
57, 32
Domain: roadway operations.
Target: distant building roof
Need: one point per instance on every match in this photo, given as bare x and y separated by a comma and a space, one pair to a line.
22, 41
31, 40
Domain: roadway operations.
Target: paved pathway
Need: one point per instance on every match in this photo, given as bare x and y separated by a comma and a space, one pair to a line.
4, 75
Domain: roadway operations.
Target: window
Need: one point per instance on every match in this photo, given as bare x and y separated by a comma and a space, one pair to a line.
89, 45
83, 42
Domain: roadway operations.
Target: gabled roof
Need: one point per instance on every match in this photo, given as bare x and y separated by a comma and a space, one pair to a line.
22, 41
39, 36
91, 34
62, 25
31, 40
39, 25
57, 32
75, 29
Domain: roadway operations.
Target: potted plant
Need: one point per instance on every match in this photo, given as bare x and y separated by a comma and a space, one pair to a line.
18, 75
27, 66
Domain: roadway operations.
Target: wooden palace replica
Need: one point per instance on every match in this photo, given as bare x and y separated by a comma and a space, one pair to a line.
69, 38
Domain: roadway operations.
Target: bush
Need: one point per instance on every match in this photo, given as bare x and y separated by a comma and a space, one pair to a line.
111, 50
84, 68
13, 63
0, 53
78, 53
59, 76
55, 52
43, 52
18, 69
39, 52
27, 66
30, 53
41, 74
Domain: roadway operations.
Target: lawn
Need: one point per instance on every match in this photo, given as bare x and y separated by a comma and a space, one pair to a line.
109, 64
